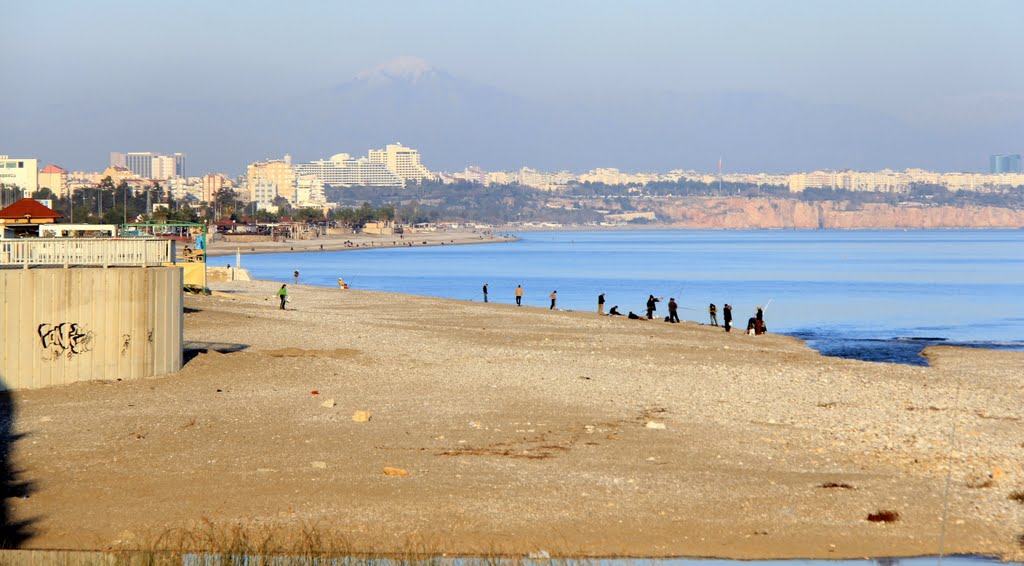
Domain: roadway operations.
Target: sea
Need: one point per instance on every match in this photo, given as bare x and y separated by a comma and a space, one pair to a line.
878, 296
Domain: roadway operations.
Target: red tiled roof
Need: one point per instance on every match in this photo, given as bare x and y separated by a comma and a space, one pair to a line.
28, 206
51, 168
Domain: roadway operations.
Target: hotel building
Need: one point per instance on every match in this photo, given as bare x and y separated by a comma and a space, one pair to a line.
403, 161
344, 171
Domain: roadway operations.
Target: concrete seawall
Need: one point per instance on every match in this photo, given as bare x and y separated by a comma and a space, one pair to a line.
62, 326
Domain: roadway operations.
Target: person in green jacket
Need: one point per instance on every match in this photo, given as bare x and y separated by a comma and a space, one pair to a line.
283, 293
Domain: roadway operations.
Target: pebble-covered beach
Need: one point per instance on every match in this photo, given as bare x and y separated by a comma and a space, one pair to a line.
521, 430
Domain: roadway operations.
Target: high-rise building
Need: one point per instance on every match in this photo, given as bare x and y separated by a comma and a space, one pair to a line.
403, 161
149, 165
344, 171
999, 164
23, 173
278, 172
264, 191
212, 183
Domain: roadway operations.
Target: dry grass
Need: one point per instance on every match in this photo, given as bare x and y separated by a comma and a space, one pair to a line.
210, 544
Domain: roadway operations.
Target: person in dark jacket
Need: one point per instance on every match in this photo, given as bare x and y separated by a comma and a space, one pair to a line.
760, 328
673, 310
713, 312
485, 292
600, 304
727, 316
614, 311
652, 305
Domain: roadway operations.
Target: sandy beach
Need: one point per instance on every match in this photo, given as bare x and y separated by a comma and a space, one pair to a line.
344, 242
524, 429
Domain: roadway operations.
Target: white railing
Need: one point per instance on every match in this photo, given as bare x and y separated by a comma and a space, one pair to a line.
69, 252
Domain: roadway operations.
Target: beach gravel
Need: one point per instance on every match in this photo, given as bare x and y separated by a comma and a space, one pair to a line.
521, 429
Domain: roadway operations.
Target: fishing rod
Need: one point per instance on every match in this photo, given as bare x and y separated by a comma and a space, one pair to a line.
680, 295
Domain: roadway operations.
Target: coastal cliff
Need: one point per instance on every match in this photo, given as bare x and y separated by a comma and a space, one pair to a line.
767, 213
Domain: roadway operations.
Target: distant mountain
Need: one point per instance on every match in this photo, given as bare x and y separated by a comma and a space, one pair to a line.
455, 122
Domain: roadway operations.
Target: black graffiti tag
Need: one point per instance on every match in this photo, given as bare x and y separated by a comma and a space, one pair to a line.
66, 338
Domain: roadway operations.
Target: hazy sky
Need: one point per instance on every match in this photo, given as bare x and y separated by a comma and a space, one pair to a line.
941, 64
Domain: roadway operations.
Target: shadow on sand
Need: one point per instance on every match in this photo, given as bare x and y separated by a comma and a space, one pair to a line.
193, 348
12, 533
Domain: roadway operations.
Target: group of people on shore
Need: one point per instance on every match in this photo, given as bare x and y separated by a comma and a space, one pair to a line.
755, 325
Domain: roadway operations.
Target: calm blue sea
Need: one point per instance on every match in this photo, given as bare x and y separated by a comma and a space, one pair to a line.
873, 295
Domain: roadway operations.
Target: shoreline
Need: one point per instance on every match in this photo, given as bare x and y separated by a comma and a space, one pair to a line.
688, 228
523, 430
348, 242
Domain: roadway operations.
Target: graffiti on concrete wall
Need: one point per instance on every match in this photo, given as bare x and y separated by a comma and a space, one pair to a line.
65, 339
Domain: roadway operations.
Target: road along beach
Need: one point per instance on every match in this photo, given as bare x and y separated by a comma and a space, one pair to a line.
220, 247
512, 430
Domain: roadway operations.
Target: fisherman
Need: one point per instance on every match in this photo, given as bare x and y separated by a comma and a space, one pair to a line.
296, 275
519, 295
760, 328
713, 311
614, 311
727, 316
673, 313
652, 305
600, 304
554, 297
485, 292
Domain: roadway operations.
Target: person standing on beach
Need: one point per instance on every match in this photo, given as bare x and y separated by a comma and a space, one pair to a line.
759, 328
296, 278
485, 292
554, 297
673, 310
713, 311
283, 294
600, 304
652, 305
727, 316
519, 295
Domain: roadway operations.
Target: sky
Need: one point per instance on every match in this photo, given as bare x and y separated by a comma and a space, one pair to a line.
942, 68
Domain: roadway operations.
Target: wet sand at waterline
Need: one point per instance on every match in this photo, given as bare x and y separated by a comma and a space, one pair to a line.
524, 429
345, 242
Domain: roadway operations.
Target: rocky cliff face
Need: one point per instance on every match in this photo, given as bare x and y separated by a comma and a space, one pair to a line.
764, 213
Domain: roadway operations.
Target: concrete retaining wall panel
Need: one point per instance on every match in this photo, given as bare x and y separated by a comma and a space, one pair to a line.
61, 326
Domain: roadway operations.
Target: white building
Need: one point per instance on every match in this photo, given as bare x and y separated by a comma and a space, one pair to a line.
21, 172
264, 191
163, 167
309, 192
403, 161
149, 165
344, 171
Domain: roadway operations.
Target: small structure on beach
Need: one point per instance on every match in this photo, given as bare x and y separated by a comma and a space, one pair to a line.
26, 215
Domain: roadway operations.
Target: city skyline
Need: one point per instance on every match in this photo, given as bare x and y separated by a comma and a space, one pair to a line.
776, 87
